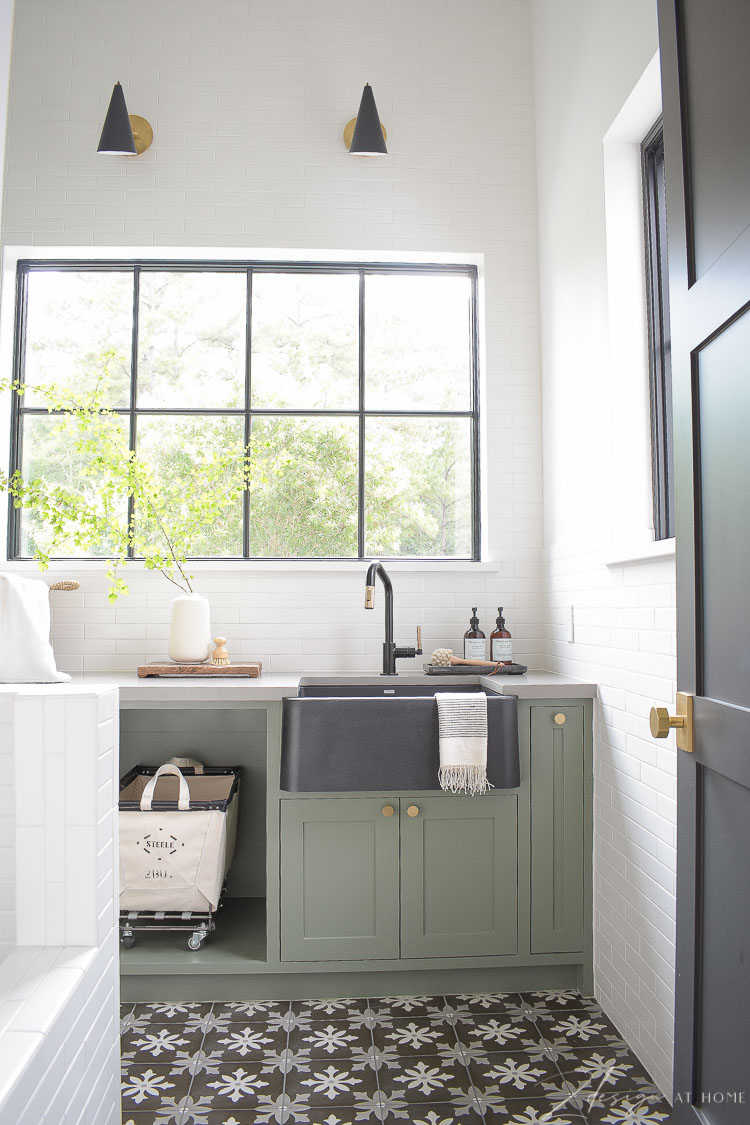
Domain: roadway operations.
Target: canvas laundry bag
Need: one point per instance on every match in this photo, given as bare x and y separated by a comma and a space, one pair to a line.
177, 836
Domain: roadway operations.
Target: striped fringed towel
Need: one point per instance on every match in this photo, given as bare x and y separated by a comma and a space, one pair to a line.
462, 723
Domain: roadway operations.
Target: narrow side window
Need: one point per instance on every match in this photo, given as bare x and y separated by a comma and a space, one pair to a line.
659, 344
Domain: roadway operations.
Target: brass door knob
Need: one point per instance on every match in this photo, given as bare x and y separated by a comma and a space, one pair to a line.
559, 718
413, 810
661, 722
388, 810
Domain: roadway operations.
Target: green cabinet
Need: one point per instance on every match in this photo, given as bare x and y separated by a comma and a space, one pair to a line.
558, 796
399, 878
339, 879
459, 876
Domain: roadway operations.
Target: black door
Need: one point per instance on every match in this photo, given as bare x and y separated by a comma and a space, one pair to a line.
705, 50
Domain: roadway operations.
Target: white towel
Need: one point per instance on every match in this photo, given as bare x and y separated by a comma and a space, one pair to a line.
462, 725
26, 656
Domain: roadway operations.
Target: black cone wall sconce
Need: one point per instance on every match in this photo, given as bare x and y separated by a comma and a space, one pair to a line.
364, 135
123, 134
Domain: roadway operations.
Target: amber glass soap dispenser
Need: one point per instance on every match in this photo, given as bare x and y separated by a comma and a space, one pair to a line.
501, 645
475, 645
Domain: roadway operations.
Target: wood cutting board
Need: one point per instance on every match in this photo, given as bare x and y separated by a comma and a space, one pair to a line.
163, 668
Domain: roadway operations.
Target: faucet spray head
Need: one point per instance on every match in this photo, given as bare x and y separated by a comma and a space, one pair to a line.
369, 597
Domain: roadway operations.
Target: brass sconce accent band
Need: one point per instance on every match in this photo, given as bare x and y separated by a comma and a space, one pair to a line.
349, 132
143, 134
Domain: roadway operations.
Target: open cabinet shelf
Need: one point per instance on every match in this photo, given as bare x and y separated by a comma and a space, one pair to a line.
237, 945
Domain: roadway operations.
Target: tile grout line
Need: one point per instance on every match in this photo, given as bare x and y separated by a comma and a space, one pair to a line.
182, 1120
285, 1072
464, 1062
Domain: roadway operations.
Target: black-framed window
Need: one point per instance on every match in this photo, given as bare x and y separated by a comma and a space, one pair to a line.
353, 389
660, 357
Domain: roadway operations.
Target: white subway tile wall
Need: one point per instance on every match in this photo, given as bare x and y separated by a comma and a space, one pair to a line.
59, 987
248, 104
625, 641
296, 620
7, 828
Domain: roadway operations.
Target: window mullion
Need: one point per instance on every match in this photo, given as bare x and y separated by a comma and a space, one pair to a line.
361, 463
248, 423
133, 387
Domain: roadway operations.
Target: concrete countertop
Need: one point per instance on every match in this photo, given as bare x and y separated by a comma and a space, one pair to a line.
272, 686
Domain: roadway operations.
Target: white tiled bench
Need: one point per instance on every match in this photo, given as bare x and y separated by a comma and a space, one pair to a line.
59, 993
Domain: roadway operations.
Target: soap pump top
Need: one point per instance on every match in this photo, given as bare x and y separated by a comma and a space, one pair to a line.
474, 639
501, 644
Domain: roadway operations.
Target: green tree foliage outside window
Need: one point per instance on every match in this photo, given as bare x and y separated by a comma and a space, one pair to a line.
280, 413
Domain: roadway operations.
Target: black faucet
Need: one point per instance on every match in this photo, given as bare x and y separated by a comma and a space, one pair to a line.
391, 652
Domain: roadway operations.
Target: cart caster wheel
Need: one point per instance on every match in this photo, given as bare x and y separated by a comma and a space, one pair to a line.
128, 941
195, 941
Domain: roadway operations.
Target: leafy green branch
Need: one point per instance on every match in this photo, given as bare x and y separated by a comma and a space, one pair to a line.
120, 504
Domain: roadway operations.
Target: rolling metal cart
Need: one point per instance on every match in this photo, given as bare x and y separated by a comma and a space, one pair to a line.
176, 845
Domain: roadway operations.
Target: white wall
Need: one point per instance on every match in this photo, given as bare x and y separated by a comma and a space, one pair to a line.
248, 102
588, 56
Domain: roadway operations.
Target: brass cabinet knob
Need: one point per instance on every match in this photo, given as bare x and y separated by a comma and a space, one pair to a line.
388, 810
413, 810
559, 718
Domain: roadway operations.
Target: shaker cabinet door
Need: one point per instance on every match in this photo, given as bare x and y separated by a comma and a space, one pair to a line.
557, 829
459, 876
339, 879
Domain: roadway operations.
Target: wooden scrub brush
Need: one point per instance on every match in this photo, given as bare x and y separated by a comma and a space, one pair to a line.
219, 654
444, 657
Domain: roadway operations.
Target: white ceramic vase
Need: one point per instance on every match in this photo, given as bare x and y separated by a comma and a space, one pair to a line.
189, 630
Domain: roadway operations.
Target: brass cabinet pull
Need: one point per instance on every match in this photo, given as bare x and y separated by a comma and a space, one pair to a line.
559, 718
661, 722
413, 810
388, 810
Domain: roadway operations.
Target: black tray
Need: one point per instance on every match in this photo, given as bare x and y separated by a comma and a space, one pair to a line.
474, 670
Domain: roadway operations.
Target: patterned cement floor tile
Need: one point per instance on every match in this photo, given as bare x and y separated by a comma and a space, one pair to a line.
413, 1036
498, 1031
245, 1041
533, 1111
412, 1006
251, 1011
160, 1044
332, 1040
485, 1002
331, 1083
425, 1079
513, 1072
225, 1117
337, 1009
238, 1083
561, 1001
580, 1028
167, 1012
630, 1109
442, 1113
603, 1070
143, 1087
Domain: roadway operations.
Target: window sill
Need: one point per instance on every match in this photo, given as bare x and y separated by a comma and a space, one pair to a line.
252, 566
631, 553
